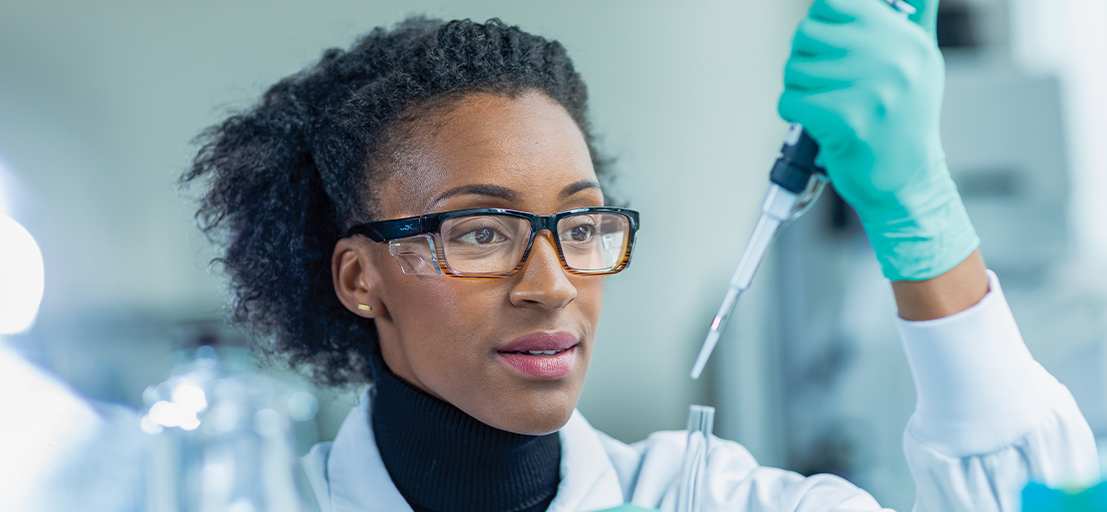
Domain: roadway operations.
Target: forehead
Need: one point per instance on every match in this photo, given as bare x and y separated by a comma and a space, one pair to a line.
527, 144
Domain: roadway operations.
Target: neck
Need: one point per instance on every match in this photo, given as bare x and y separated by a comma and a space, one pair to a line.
442, 459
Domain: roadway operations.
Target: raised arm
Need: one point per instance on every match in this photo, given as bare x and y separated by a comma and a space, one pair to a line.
867, 85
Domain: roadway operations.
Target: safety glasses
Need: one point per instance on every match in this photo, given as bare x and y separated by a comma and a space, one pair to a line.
496, 242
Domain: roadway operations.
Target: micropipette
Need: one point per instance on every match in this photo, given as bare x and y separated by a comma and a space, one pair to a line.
796, 183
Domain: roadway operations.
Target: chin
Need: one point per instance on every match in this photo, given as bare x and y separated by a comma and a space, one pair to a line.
529, 420
542, 426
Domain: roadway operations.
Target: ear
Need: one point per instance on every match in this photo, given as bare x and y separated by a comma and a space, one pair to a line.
356, 280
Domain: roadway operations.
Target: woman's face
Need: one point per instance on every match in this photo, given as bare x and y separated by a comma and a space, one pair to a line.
448, 336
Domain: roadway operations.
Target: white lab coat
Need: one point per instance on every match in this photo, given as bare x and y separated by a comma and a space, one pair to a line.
988, 419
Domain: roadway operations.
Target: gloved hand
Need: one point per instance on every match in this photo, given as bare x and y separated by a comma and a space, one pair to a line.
866, 83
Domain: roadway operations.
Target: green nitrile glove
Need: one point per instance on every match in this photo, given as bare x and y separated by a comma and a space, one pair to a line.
866, 83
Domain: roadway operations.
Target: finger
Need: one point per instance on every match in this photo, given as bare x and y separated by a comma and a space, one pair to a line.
820, 39
862, 12
832, 11
926, 14
817, 112
807, 74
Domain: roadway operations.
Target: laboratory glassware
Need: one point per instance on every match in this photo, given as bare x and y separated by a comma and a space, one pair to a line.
693, 470
222, 434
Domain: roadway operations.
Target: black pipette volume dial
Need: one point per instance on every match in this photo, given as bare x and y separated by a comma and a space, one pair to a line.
796, 165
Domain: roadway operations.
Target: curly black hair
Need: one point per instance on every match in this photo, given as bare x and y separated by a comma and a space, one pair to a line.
287, 176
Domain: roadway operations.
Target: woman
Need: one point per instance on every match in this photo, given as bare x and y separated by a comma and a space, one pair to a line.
425, 211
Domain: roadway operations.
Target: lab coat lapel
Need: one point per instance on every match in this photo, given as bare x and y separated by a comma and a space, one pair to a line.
359, 482
358, 479
588, 479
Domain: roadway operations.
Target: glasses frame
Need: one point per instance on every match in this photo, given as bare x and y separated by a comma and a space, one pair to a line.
395, 229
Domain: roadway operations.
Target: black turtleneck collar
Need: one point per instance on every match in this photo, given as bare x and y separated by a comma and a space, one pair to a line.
443, 460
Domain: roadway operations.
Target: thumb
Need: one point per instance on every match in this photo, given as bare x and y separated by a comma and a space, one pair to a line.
926, 14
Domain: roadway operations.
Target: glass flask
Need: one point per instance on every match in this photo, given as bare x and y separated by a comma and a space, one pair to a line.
222, 432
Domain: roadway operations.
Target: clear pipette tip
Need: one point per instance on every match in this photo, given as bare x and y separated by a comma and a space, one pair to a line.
705, 353
778, 205
716, 330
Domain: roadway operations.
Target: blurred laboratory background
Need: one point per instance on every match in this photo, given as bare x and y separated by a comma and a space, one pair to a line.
100, 102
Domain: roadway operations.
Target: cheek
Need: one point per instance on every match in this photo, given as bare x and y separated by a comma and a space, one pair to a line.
440, 314
442, 311
447, 327
589, 298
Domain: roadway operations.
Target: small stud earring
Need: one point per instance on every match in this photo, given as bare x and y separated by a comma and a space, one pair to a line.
365, 307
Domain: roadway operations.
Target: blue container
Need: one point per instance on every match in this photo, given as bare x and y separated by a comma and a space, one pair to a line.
1039, 498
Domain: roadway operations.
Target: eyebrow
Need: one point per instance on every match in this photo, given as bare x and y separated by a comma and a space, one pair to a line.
579, 186
499, 192
480, 189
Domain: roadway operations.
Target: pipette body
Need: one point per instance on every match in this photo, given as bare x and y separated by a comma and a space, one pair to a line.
796, 183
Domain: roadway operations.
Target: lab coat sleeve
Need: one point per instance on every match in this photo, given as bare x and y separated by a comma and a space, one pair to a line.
988, 417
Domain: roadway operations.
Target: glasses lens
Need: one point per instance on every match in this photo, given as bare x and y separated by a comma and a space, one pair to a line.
484, 244
594, 241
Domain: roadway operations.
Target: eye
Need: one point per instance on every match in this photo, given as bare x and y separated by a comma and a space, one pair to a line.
482, 236
579, 233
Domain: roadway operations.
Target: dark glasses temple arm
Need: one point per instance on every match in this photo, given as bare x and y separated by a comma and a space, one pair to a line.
386, 230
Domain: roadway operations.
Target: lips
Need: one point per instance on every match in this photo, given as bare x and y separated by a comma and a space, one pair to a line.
541, 355
541, 341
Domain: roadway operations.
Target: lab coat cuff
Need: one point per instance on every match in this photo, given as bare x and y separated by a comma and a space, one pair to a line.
978, 387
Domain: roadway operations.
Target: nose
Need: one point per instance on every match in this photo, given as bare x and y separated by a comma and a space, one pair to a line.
543, 282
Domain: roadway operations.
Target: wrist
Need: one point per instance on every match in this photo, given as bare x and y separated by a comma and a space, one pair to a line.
922, 236
950, 293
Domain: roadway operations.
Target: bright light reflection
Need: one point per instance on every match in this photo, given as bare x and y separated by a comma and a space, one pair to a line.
188, 401
21, 277
149, 426
190, 397
302, 406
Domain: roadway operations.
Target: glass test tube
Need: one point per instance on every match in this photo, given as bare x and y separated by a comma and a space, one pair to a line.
690, 494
